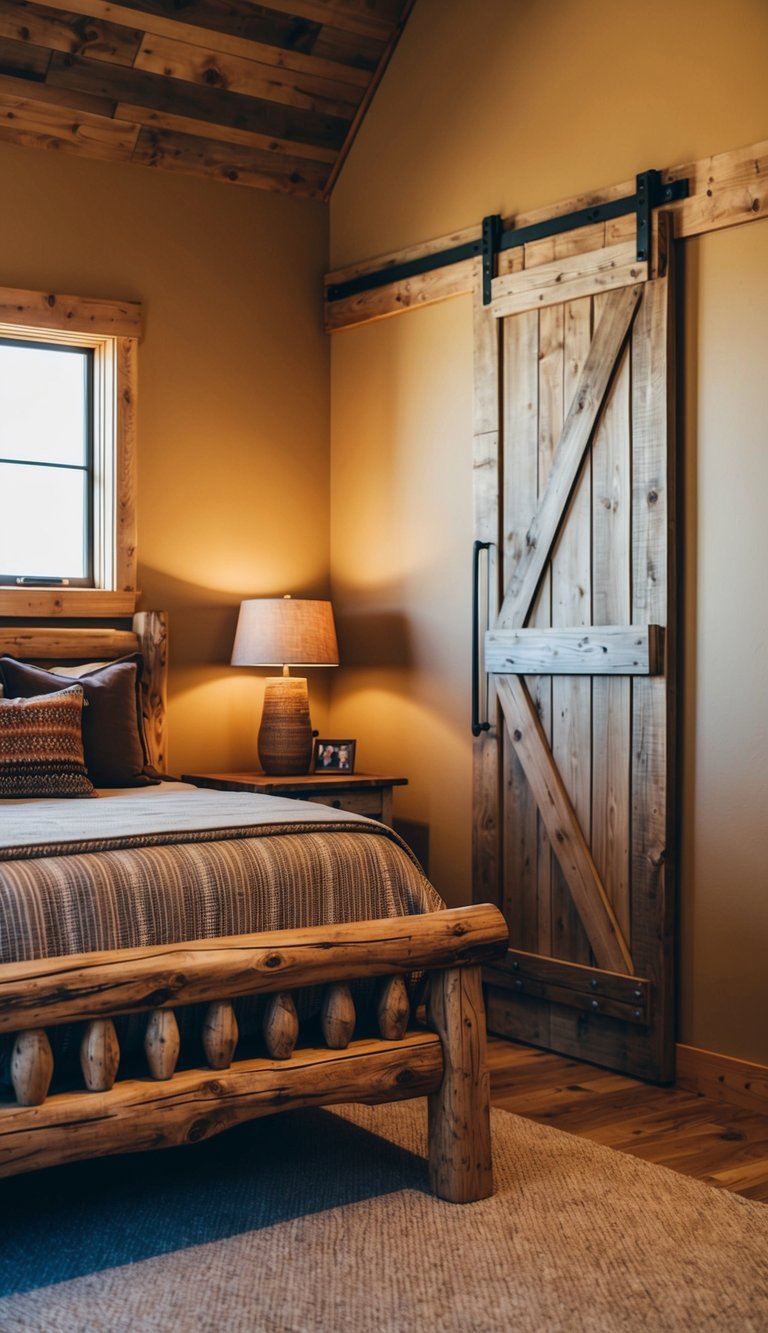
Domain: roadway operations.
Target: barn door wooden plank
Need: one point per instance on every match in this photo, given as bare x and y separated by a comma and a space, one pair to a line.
550, 909
653, 698
580, 275
487, 486
580, 422
571, 605
611, 696
611, 650
568, 843
520, 395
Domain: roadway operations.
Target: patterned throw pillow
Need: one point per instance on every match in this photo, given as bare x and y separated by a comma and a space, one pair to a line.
41, 746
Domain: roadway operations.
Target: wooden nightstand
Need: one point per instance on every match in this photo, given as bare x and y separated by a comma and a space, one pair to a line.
364, 793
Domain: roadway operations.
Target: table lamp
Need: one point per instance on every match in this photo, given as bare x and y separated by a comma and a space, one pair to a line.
285, 632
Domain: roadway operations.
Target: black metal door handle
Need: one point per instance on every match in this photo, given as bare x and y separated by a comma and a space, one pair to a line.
477, 726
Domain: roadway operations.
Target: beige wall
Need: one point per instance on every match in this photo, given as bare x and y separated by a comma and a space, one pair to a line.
724, 891
233, 401
501, 106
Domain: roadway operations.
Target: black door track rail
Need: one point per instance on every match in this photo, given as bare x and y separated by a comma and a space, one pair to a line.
651, 192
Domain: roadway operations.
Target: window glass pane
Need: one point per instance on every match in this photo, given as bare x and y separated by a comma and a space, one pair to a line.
42, 522
43, 403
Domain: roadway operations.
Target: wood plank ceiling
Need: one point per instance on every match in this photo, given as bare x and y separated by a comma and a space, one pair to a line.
267, 95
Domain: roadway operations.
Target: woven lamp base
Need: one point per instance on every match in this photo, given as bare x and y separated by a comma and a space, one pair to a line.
285, 734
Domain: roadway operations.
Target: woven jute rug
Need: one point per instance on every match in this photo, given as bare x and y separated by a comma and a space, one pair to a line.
323, 1220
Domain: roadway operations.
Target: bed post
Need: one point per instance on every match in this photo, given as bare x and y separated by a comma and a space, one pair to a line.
459, 1112
151, 628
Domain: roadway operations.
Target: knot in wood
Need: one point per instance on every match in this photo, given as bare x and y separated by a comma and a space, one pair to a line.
198, 1130
404, 1077
273, 960
517, 734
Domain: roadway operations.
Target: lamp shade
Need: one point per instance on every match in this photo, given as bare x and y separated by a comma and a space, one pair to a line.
285, 631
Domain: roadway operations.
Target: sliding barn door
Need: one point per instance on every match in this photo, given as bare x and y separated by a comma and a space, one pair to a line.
574, 503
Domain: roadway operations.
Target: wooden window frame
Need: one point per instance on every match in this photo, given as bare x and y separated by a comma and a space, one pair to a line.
112, 330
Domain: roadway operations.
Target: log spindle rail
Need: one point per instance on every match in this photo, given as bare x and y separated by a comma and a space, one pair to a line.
31, 1066
337, 1016
100, 1055
393, 1009
220, 1034
173, 1107
162, 1043
281, 1026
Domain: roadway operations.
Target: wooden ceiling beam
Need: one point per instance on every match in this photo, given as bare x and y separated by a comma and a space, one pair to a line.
230, 163
24, 58
61, 97
216, 37
225, 134
202, 103
43, 26
178, 60
44, 125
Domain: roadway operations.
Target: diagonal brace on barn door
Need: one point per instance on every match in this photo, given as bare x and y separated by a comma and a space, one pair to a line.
610, 336
559, 817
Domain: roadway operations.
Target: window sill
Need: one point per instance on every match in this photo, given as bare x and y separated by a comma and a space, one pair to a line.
70, 602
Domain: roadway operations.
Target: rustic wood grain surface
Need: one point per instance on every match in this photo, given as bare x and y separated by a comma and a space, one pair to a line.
262, 95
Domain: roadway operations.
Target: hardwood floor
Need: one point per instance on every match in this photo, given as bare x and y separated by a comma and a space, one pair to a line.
697, 1136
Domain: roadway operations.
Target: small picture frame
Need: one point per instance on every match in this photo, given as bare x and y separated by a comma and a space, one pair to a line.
334, 756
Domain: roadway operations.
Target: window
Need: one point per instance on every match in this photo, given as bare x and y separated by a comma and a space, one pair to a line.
46, 463
67, 448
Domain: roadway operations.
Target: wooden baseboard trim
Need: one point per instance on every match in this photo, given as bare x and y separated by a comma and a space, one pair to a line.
739, 1082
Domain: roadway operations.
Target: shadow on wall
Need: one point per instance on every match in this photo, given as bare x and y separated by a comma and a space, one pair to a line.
378, 639
416, 835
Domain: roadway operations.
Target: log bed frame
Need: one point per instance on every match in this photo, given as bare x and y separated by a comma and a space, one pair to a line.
444, 1059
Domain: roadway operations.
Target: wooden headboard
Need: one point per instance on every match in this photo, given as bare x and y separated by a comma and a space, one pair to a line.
58, 644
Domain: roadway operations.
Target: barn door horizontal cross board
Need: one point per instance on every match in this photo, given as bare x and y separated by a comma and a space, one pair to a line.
574, 497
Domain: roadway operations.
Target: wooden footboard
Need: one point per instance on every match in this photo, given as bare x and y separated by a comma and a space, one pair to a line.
168, 1108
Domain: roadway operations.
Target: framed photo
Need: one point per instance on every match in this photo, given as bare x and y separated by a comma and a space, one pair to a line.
334, 756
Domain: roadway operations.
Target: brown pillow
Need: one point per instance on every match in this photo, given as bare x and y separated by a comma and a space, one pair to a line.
41, 746
112, 739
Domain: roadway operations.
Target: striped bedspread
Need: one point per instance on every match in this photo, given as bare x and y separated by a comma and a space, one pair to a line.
144, 869
140, 869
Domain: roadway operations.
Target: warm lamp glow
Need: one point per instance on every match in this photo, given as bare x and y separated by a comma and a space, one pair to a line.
285, 632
